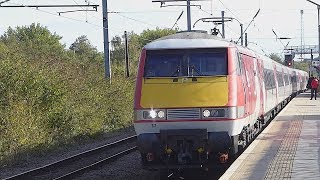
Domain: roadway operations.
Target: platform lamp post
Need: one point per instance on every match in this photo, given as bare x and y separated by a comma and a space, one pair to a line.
318, 7
310, 66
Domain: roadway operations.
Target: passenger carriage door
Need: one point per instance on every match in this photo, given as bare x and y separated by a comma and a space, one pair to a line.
250, 89
244, 84
284, 83
257, 87
276, 82
294, 81
261, 87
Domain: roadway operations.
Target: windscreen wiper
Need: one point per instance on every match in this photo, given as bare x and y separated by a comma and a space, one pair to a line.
176, 72
193, 68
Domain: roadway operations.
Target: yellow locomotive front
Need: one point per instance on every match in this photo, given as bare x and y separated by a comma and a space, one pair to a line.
183, 112
185, 78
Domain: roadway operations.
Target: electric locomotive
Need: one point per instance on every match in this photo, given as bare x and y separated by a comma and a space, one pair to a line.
200, 98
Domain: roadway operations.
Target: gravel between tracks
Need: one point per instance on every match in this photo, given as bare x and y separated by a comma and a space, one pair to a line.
63, 152
127, 167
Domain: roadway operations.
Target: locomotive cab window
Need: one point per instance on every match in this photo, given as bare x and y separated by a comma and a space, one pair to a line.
163, 65
206, 64
186, 63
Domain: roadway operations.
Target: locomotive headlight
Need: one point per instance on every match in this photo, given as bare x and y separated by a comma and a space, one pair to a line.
206, 113
153, 114
161, 114
218, 112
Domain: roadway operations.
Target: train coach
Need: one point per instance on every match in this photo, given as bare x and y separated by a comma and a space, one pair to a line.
200, 99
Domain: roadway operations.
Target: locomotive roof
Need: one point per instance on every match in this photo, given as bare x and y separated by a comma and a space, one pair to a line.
186, 40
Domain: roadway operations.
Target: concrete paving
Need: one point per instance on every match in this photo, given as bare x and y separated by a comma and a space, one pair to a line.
289, 148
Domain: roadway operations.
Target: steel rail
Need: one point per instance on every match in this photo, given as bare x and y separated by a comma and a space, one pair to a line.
72, 158
95, 165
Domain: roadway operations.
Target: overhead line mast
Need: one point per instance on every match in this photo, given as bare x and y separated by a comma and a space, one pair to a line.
318, 7
302, 34
162, 4
107, 63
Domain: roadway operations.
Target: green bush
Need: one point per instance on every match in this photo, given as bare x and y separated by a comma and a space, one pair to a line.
34, 42
31, 105
51, 96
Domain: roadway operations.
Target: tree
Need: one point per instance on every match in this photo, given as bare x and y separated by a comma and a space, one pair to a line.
3, 51
83, 48
136, 42
150, 35
276, 57
301, 65
33, 41
118, 49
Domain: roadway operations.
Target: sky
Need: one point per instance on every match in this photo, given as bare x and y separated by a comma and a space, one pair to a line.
281, 16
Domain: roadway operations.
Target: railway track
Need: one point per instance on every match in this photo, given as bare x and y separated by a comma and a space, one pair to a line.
78, 164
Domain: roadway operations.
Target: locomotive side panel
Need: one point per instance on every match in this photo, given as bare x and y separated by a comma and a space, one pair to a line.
251, 88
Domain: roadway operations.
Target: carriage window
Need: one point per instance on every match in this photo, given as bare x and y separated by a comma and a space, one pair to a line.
280, 79
269, 79
294, 78
286, 79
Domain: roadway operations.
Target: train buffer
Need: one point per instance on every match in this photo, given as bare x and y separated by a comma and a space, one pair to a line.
289, 148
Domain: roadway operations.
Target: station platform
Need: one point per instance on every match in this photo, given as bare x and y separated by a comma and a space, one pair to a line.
288, 148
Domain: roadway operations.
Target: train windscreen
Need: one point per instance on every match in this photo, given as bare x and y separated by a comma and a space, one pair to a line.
186, 63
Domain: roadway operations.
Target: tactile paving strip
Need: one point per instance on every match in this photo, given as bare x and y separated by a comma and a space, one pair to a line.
282, 164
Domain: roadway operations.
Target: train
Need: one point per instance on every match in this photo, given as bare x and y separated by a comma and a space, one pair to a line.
200, 99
